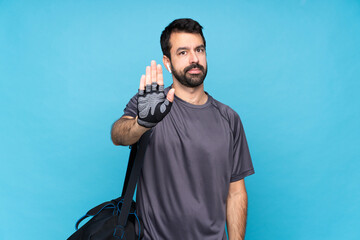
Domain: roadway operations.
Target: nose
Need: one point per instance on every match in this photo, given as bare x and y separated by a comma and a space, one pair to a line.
193, 58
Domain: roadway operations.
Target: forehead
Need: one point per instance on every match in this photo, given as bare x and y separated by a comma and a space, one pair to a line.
183, 39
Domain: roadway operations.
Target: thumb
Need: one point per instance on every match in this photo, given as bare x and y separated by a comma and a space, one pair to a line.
170, 95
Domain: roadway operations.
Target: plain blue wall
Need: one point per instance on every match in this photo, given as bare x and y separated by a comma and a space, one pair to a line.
291, 69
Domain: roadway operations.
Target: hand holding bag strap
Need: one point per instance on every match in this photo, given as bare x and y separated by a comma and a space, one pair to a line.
131, 184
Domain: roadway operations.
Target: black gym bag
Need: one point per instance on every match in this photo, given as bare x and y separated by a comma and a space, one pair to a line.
117, 219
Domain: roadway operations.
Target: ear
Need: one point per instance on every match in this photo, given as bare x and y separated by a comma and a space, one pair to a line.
166, 62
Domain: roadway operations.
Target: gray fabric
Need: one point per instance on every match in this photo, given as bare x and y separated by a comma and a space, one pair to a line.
193, 155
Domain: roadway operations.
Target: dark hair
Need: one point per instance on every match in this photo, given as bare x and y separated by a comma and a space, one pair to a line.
187, 25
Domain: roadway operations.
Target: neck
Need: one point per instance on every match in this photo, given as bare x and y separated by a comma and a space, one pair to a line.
196, 95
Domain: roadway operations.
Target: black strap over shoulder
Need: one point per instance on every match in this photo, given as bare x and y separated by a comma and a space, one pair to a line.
133, 152
132, 175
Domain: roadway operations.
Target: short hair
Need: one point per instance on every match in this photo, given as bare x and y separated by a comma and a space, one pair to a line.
187, 25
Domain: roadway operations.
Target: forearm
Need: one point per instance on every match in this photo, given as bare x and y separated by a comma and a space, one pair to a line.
236, 216
126, 131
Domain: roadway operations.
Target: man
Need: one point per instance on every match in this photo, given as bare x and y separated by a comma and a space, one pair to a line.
192, 181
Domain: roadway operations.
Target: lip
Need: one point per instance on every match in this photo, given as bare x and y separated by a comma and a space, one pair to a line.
194, 71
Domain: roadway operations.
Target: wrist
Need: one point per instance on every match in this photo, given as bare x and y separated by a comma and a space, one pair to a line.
141, 125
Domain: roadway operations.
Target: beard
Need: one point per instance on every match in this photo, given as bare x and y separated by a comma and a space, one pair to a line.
187, 79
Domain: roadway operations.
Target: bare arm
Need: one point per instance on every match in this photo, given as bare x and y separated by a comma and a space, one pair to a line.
126, 131
236, 210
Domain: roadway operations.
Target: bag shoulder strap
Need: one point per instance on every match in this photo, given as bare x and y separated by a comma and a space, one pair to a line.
130, 166
132, 176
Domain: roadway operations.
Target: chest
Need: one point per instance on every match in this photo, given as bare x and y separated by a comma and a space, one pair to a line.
201, 136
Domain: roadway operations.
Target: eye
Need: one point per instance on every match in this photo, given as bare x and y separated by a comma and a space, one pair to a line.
200, 50
182, 53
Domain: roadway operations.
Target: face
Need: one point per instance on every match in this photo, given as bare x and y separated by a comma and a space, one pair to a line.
188, 58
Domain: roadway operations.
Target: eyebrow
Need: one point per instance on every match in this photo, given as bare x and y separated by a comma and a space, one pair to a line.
187, 48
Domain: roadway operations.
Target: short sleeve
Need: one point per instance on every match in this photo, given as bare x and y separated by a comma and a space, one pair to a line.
242, 164
131, 107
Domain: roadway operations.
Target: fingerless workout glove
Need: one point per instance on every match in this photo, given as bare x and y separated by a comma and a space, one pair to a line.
152, 105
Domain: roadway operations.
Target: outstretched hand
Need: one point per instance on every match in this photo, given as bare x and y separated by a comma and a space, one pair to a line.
153, 105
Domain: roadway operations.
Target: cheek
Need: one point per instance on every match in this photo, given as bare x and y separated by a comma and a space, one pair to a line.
203, 60
179, 65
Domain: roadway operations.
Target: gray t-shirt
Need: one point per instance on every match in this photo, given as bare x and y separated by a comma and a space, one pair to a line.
193, 155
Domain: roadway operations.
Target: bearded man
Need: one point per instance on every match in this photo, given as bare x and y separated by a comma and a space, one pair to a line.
192, 182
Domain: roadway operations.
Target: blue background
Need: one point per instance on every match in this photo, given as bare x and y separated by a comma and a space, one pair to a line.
291, 70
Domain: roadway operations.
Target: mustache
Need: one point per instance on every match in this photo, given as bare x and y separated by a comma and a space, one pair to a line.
195, 65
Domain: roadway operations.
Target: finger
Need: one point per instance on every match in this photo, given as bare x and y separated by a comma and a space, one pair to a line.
159, 77
148, 79
148, 76
142, 84
170, 95
153, 71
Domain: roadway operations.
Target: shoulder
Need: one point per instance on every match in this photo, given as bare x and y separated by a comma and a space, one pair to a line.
226, 111
230, 116
131, 107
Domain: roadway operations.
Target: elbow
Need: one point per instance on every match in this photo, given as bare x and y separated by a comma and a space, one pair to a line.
238, 195
114, 138
116, 143
117, 140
